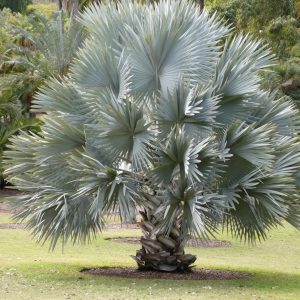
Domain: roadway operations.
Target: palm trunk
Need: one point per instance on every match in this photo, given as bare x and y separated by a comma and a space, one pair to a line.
159, 252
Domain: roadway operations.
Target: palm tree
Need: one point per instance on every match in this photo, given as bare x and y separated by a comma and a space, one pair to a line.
57, 39
161, 113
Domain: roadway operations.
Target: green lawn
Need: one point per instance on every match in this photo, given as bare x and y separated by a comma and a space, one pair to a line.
29, 271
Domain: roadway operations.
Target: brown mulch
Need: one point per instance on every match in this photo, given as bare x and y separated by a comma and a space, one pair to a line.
195, 274
195, 243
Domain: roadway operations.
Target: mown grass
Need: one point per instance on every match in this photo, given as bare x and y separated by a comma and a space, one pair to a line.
29, 271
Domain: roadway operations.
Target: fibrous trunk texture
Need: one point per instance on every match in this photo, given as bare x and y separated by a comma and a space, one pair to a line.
160, 252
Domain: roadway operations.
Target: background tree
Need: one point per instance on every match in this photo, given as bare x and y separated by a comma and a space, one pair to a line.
75, 6
277, 23
15, 5
72, 6
201, 3
156, 115
60, 2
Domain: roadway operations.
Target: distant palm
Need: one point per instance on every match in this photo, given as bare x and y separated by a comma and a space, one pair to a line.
162, 111
56, 39
48, 51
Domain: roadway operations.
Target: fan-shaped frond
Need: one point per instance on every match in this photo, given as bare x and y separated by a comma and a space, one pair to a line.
60, 136
124, 133
236, 77
63, 98
161, 54
186, 108
237, 69
180, 154
282, 113
23, 154
109, 189
252, 144
102, 69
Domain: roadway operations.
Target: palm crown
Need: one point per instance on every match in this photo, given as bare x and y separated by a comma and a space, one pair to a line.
161, 111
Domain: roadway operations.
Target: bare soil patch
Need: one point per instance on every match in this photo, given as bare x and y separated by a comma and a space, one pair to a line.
9, 192
4, 206
195, 274
12, 226
195, 243
121, 226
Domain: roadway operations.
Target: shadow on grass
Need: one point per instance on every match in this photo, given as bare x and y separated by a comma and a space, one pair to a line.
70, 274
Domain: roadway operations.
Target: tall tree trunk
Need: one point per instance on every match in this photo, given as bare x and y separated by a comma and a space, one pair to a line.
201, 4
59, 4
159, 252
2, 182
73, 7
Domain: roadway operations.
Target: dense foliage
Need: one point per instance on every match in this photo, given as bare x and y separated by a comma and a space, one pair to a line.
15, 5
11, 122
163, 111
32, 49
278, 23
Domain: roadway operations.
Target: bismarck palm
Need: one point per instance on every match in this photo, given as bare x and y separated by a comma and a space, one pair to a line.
162, 112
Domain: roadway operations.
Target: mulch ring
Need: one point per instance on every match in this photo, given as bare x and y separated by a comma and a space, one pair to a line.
195, 243
195, 274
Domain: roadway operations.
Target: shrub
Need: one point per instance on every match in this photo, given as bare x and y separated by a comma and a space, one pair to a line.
33, 48
46, 9
295, 51
259, 13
